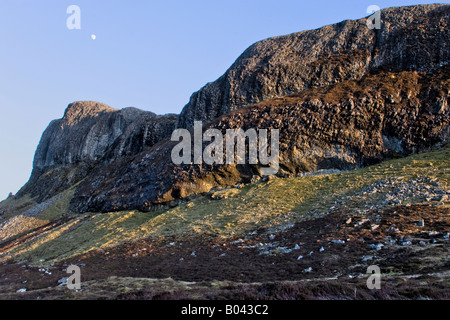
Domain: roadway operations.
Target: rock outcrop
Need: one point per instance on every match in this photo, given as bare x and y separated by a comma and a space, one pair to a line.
343, 96
346, 126
411, 38
90, 134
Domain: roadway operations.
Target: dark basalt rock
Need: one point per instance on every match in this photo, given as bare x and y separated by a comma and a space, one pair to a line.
90, 134
411, 38
350, 125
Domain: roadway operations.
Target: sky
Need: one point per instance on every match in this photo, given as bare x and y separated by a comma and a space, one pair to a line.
147, 54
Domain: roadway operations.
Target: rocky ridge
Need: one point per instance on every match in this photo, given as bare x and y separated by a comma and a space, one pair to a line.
411, 38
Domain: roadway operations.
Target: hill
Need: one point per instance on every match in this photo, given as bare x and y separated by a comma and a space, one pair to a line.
237, 242
362, 179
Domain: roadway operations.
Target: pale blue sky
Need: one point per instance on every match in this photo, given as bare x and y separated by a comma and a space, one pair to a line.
148, 54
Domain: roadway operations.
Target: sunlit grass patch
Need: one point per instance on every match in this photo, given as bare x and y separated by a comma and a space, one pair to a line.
228, 213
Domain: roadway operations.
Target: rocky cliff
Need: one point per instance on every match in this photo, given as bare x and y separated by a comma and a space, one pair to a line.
342, 96
89, 134
347, 126
411, 38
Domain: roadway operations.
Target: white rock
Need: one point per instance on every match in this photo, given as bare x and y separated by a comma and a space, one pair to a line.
377, 247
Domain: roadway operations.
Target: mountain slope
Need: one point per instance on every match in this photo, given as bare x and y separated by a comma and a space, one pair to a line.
303, 238
365, 96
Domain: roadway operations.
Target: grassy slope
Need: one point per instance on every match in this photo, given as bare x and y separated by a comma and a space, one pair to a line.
275, 203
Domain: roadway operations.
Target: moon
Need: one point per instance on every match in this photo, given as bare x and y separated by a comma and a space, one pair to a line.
93, 37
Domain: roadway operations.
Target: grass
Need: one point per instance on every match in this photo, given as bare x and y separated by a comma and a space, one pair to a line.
16, 222
239, 211
12, 207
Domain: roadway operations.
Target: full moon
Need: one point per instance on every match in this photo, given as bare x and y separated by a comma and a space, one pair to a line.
93, 37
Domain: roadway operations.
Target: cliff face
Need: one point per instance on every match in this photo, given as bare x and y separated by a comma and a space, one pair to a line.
83, 134
347, 126
411, 38
343, 96
91, 133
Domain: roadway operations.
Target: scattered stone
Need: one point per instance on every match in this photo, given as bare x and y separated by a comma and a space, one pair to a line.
406, 242
63, 282
279, 250
377, 246
360, 223
394, 230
